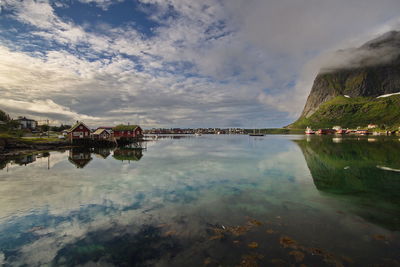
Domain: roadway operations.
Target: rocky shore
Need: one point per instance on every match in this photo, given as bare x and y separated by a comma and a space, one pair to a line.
13, 147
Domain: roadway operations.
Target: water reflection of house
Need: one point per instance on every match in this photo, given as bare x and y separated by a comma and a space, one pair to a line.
80, 157
130, 154
25, 159
102, 152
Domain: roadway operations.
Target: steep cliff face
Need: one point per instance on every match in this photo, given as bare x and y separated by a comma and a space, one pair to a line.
367, 82
369, 71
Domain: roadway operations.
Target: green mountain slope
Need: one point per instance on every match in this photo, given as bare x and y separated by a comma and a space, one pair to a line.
354, 112
366, 72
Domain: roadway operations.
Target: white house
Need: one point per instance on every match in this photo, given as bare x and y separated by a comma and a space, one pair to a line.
27, 123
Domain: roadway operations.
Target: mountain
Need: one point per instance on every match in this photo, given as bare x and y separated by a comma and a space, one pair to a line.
347, 90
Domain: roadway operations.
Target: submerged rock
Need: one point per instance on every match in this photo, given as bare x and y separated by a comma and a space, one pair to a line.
298, 255
253, 245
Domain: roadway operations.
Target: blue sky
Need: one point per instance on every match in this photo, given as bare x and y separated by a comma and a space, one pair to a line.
175, 63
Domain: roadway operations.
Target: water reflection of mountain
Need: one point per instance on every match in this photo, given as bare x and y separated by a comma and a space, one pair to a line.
363, 172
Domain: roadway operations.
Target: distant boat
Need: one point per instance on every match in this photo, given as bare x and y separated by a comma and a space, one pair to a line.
197, 134
256, 134
309, 131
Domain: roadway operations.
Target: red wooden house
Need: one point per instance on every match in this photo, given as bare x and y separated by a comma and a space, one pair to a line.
325, 131
127, 131
79, 132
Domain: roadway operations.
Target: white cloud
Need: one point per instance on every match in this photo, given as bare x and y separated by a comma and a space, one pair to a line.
43, 107
104, 4
215, 62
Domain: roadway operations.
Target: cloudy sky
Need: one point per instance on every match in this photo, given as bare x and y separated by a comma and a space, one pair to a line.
175, 63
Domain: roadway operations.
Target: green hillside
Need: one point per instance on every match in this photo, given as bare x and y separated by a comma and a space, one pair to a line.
354, 112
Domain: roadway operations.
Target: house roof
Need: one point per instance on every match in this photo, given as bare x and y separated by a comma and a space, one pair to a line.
24, 119
102, 152
100, 131
76, 125
122, 127
80, 163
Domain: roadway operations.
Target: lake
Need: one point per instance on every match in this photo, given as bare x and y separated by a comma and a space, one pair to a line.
211, 200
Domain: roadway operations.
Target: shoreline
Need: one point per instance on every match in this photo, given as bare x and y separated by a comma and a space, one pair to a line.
11, 148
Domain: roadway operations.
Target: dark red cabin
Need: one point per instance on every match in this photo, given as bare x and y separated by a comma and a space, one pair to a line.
127, 131
79, 131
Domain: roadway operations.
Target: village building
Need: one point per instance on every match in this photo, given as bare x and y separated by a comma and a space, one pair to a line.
79, 132
325, 131
362, 131
26, 123
101, 134
372, 126
127, 131
109, 128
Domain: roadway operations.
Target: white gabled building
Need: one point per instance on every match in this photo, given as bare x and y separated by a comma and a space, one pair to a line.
27, 123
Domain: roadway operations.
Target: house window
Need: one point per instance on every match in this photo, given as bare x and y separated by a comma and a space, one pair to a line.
80, 127
129, 132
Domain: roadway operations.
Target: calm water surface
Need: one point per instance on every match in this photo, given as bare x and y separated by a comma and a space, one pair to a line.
206, 201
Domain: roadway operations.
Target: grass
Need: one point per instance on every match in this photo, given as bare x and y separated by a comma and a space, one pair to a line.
122, 127
41, 140
355, 112
7, 135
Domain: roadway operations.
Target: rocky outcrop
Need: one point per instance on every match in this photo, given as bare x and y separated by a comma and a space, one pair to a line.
372, 70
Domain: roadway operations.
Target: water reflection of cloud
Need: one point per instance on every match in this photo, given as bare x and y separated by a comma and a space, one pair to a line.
289, 163
172, 182
120, 182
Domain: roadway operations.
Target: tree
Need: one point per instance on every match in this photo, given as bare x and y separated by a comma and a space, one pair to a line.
45, 127
4, 116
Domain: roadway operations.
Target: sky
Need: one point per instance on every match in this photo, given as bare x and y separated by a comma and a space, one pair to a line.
175, 63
